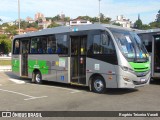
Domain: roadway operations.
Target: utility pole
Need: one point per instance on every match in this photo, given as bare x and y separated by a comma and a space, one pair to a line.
19, 20
99, 12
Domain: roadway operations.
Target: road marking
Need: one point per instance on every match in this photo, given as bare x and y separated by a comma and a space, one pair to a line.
35, 98
30, 97
69, 89
75, 91
72, 91
17, 81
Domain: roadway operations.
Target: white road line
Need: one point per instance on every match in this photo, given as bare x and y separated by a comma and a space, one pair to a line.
30, 97
17, 81
35, 98
16, 93
69, 89
75, 92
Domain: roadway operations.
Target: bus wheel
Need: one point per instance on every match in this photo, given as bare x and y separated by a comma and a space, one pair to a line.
38, 78
98, 85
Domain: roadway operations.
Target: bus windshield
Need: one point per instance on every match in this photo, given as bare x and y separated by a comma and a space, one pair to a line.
130, 45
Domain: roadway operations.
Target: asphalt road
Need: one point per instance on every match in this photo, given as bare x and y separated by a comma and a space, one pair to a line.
21, 95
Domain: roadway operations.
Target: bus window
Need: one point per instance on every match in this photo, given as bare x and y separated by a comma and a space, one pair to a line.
38, 45
103, 44
51, 45
147, 41
96, 44
16, 47
62, 44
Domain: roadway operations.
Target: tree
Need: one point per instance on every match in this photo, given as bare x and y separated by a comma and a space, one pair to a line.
145, 27
158, 16
154, 24
138, 24
94, 19
118, 24
11, 30
67, 19
5, 44
56, 18
53, 25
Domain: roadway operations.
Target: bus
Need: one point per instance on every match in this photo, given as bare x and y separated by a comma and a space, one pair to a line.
98, 56
151, 40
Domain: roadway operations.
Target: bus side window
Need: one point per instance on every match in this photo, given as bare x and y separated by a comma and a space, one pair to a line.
33, 49
107, 44
96, 44
102, 44
16, 47
51, 45
62, 44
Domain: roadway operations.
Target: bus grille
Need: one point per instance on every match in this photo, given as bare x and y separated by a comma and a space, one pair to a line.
139, 82
142, 74
141, 68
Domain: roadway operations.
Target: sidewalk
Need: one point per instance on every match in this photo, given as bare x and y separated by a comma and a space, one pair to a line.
5, 68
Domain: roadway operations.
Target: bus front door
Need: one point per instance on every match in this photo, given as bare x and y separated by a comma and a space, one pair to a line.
78, 59
156, 56
24, 57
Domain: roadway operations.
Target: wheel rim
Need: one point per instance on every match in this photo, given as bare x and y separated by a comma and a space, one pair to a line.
98, 85
38, 77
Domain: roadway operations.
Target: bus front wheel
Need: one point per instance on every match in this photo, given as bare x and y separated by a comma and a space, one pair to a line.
37, 77
98, 85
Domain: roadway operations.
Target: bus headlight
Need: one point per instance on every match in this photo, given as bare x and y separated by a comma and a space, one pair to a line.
127, 69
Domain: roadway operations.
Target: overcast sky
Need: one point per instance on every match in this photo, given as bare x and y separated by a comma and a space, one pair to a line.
73, 8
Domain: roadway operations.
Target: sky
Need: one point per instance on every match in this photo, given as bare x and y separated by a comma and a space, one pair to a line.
74, 8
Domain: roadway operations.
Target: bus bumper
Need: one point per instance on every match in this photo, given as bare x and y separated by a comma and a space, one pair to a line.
133, 81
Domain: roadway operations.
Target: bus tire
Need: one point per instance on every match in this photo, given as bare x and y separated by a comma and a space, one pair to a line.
98, 85
37, 77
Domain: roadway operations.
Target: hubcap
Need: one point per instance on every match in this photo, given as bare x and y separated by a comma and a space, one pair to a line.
98, 85
38, 77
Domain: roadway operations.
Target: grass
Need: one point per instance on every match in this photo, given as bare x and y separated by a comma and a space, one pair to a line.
5, 62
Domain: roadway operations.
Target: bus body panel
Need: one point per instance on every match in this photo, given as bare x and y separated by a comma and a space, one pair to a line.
52, 67
107, 70
16, 64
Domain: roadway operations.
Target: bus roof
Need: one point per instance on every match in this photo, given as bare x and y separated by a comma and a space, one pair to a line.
65, 29
149, 31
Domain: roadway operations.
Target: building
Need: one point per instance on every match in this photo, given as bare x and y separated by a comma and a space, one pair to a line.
38, 16
29, 20
79, 21
44, 24
123, 21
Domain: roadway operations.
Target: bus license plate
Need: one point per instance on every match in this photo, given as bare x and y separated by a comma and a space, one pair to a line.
143, 80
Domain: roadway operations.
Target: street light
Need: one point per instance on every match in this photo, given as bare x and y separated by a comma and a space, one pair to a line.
19, 20
99, 12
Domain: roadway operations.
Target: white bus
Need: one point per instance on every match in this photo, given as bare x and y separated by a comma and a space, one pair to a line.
98, 56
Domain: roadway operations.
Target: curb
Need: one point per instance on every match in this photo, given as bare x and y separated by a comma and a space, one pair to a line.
5, 68
2, 70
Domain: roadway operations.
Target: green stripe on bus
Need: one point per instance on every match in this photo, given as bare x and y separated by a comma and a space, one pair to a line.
38, 64
140, 67
15, 65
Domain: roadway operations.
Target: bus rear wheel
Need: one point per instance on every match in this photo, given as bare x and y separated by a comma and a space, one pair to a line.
37, 77
98, 85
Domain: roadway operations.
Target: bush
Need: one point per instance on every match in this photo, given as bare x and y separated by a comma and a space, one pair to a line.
5, 44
